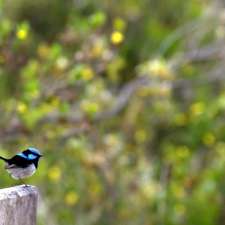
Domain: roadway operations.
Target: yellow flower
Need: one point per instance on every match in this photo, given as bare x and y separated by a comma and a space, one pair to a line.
62, 63
159, 68
55, 102
208, 139
117, 37
197, 108
89, 107
150, 189
87, 73
71, 198
21, 107
22, 33
54, 173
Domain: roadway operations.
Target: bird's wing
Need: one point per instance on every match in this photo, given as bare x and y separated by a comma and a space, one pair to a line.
10, 166
19, 161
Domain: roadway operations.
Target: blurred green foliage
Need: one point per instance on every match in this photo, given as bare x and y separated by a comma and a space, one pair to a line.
125, 100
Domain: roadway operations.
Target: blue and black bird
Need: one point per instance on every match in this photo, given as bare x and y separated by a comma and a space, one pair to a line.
23, 164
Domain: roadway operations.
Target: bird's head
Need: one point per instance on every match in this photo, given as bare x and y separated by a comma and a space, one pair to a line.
32, 154
34, 151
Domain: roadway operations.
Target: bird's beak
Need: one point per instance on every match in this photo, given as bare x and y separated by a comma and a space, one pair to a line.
41, 155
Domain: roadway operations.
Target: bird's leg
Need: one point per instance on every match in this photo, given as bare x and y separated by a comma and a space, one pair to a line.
23, 182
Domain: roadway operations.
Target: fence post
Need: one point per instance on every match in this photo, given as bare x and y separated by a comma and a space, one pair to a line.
18, 205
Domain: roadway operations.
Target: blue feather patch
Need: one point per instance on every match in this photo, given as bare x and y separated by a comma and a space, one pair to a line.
22, 155
34, 150
31, 156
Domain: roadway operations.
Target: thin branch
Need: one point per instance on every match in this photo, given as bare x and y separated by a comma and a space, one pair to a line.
123, 98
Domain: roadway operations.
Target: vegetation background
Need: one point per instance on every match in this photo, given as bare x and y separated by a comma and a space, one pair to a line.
126, 100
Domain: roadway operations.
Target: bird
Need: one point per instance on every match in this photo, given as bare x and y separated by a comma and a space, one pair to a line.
23, 164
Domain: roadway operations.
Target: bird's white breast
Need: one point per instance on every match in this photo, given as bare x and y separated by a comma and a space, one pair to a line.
20, 173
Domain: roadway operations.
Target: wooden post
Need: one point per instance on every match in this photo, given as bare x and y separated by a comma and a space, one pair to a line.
18, 205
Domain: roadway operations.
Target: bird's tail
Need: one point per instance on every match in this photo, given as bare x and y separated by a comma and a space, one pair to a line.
6, 160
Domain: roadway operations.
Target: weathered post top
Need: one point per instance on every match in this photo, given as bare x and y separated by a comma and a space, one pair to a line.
18, 205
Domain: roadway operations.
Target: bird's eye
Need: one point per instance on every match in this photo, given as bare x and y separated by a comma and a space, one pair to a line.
31, 156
